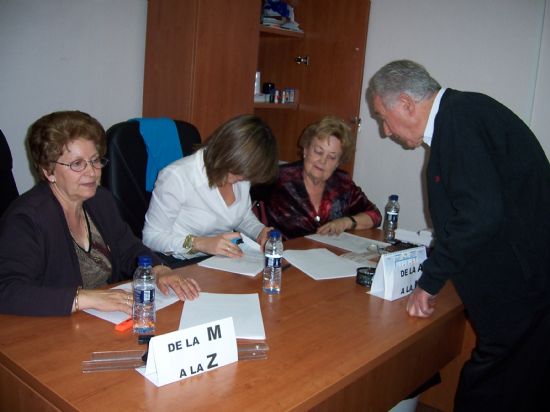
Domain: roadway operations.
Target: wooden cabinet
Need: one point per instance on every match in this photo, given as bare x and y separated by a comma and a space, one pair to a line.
202, 55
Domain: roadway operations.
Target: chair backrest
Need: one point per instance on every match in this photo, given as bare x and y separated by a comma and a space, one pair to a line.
8, 188
125, 173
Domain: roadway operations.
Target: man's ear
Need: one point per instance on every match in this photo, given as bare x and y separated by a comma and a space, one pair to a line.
408, 103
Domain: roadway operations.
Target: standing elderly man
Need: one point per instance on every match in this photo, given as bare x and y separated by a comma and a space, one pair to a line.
489, 196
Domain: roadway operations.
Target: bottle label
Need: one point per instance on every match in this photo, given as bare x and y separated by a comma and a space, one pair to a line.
144, 296
273, 261
391, 217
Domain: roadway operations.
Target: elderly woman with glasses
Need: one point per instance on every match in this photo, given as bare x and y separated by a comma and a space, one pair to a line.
314, 195
64, 238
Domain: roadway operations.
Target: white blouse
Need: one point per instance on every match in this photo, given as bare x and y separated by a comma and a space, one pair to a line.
182, 203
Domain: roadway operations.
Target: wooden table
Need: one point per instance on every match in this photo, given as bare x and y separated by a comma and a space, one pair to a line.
332, 347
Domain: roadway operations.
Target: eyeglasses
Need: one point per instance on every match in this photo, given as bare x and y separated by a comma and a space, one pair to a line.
81, 164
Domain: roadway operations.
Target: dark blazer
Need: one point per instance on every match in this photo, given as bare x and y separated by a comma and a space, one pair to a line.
489, 195
39, 269
7, 182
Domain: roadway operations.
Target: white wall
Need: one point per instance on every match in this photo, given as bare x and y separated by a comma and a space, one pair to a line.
540, 119
490, 46
68, 54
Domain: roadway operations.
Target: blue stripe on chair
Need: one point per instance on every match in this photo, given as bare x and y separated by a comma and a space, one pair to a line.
162, 143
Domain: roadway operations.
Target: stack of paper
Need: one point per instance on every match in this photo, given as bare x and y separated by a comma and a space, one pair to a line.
321, 263
250, 264
350, 242
243, 308
422, 237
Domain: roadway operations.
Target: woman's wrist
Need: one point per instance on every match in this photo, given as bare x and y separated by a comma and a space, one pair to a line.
198, 244
76, 305
161, 269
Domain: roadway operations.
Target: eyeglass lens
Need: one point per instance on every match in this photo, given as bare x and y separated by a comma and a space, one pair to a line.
80, 164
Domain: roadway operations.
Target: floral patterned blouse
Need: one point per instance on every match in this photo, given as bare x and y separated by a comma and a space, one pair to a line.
289, 209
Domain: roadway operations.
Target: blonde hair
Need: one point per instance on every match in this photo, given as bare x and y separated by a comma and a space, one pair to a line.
326, 127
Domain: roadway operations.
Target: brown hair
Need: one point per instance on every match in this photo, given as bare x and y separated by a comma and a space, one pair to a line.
326, 127
48, 137
243, 146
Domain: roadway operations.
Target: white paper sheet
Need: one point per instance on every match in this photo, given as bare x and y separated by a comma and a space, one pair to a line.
250, 264
366, 259
350, 242
421, 237
161, 301
243, 308
321, 263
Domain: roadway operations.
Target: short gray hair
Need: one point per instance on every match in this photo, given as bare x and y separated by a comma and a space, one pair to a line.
402, 76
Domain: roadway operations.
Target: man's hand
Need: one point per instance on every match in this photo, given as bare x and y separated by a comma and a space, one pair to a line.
421, 304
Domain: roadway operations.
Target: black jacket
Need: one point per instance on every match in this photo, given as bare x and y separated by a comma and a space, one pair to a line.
39, 270
489, 194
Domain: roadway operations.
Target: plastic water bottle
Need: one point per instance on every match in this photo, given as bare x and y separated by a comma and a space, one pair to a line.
391, 216
272, 269
143, 312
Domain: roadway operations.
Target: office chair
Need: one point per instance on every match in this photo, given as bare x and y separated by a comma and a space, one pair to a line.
258, 196
7, 182
125, 174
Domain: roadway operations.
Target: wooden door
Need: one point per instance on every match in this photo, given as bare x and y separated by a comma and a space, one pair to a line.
227, 48
200, 60
335, 43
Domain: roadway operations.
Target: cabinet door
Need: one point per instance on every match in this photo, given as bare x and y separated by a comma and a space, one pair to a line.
335, 43
227, 49
200, 60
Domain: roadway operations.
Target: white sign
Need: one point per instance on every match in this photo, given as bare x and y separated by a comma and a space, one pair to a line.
187, 352
397, 273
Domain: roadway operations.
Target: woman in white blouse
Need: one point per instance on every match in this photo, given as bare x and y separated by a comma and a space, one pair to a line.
201, 202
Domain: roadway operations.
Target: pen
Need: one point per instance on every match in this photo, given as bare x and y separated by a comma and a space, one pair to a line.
237, 241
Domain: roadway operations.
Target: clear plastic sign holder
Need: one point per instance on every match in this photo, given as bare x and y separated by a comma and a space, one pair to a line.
132, 359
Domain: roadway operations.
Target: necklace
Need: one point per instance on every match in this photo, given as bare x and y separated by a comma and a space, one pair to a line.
88, 234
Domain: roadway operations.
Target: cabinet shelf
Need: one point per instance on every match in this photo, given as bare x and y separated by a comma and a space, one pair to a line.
287, 106
276, 106
277, 31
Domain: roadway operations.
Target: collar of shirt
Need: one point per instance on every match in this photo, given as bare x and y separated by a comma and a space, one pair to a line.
429, 131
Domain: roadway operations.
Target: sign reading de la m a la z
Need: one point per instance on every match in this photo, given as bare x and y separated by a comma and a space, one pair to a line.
184, 353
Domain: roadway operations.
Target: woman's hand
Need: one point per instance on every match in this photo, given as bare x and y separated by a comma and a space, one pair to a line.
262, 237
185, 288
219, 245
109, 300
336, 226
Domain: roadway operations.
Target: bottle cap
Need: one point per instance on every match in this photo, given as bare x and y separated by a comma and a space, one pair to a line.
145, 260
394, 197
274, 233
